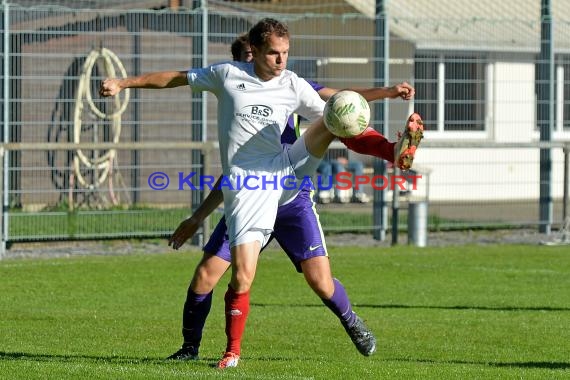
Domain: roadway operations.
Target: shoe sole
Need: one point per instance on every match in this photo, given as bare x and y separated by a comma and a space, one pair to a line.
367, 346
229, 363
412, 135
232, 364
186, 358
369, 352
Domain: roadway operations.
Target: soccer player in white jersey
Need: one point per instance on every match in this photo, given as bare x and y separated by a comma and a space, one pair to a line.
297, 230
255, 101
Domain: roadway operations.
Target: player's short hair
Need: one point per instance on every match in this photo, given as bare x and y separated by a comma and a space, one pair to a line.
239, 45
259, 34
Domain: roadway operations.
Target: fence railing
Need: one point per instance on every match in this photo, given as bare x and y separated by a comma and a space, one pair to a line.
101, 209
77, 212
476, 81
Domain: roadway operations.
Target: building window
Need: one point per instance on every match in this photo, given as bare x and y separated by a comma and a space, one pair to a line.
450, 92
561, 92
426, 90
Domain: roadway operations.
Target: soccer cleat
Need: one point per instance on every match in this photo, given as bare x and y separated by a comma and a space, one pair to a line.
228, 360
185, 353
408, 142
362, 337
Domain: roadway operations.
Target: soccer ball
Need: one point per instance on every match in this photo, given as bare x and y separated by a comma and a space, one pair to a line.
346, 114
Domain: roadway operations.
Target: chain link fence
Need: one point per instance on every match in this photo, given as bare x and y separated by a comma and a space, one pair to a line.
476, 86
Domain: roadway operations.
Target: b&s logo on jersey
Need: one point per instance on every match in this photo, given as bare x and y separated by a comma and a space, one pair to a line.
257, 110
257, 113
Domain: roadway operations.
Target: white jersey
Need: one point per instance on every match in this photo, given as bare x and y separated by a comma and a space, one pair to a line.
253, 113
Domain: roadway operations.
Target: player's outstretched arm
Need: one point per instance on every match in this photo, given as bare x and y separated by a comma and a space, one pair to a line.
188, 227
157, 80
402, 90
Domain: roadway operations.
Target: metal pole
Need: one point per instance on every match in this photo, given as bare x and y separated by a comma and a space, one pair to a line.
386, 122
395, 205
2, 216
134, 26
205, 27
566, 179
203, 133
545, 112
198, 49
381, 49
6, 122
417, 223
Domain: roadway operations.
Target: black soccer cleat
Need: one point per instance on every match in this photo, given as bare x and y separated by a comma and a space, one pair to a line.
185, 353
362, 337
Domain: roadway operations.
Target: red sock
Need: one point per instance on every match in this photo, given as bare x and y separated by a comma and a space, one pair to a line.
237, 310
372, 143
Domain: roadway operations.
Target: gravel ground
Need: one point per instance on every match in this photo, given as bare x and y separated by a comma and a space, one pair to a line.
122, 247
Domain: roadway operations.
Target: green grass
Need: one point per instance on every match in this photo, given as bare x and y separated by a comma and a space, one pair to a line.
492, 312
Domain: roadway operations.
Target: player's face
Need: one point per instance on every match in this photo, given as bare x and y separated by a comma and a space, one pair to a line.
271, 59
246, 55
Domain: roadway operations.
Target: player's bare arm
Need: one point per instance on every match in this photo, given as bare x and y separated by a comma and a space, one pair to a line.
157, 80
402, 90
188, 227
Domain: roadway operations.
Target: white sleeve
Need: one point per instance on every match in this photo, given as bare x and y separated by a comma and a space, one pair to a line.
310, 104
207, 78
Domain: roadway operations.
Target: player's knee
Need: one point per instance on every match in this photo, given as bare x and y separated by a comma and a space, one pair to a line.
322, 286
203, 281
322, 289
242, 280
318, 138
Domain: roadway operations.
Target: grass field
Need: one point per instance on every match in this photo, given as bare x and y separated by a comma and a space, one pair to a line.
492, 312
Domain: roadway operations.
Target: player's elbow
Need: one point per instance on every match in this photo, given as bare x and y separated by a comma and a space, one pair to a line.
179, 79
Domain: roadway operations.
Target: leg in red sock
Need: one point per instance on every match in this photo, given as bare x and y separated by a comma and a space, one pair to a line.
237, 310
372, 143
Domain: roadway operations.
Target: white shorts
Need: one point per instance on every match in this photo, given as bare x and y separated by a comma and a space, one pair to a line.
251, 197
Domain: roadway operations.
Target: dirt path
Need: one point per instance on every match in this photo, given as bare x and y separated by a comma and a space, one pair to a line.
125, 247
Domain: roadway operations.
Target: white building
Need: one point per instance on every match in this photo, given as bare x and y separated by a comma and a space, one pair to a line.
474, 66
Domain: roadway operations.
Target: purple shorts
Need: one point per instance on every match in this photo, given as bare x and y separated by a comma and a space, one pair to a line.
297, 230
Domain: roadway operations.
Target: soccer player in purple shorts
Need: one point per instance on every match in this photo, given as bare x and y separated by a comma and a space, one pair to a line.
298, 232
250, 146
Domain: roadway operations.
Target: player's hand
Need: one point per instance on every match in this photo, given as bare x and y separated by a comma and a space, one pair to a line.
404, 90
110, 87
185, 231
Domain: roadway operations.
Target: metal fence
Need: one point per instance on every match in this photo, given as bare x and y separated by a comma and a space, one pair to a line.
477, 83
